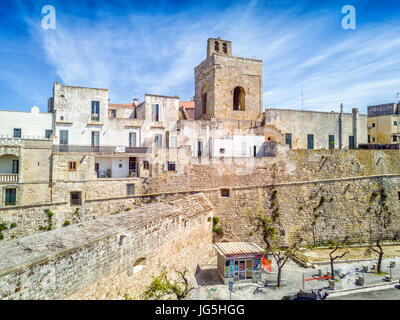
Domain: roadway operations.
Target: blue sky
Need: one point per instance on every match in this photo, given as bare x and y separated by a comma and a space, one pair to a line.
138, 47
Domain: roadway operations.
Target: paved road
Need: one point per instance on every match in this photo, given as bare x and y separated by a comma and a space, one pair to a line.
385, 294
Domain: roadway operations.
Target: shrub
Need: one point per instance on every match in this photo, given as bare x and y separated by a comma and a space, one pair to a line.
1, 235
3, 226
13, 225
215, 220
66, 223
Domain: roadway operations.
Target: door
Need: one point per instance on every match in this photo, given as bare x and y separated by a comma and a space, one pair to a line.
310, 141
331, 141
132, 166
255, 151
64, 137
132, 139
288, 139
351, 142
96, 169
10, 197
15, 166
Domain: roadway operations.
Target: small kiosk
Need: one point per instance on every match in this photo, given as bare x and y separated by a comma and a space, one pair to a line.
239, 261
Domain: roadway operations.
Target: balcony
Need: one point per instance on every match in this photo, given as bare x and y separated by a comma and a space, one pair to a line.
8, 178
100, 149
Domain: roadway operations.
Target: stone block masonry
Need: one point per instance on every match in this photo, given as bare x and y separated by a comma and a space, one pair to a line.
108, 257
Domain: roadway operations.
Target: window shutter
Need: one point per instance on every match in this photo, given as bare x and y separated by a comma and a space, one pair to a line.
165, 166
153, 113
176, 166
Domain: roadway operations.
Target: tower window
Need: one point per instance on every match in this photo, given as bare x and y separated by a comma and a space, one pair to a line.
216, 46
204, 103
238, 99
224, 48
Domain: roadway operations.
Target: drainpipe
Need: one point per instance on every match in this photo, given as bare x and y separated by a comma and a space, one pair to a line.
340, 127
355, 122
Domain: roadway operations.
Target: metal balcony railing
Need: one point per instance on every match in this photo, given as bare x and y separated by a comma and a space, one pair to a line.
100, 149
8, 178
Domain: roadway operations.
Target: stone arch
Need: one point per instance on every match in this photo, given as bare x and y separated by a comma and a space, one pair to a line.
239, 98
7, 163
224, 48
216, 46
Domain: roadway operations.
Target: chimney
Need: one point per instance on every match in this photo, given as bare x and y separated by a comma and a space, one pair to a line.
135, 102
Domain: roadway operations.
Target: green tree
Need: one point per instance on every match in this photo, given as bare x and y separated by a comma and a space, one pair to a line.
269, 231
162, 287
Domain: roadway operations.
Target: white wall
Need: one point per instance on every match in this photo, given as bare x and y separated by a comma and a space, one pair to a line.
32, 124
240, 146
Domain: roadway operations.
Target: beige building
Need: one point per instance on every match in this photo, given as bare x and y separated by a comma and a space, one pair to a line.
227, 87
300, 129
383, 124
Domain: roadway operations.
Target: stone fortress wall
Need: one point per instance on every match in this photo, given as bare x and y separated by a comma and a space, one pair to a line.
108, 257
346, 179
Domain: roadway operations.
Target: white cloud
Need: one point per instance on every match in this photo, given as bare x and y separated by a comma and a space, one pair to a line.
140, 54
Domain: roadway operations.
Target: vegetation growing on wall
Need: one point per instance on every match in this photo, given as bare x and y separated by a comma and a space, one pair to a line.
217, 228
163, 288
49, 226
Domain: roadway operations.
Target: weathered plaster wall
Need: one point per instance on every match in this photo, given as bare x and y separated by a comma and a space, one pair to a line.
105, 258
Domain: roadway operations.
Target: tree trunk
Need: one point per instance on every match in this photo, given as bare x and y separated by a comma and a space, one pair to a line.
278, 284
332, 271
379, 267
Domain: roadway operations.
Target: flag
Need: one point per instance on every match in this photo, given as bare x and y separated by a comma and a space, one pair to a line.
266, 264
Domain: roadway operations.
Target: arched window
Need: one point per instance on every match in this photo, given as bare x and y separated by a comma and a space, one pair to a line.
224, 50
239, 99
216, 46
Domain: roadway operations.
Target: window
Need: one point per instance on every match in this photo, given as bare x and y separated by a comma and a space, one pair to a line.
222, 150
373, 124
130, 189
48, 134
395, 123
398, 195
238, 99
170, 166
243, 148
158, 140
15, 167
146, 165
204, 103
95, 113
156, 112
63, 136
199, 148
132, 139
288, 139
373, 139
331, 141
394, 139
113, 113
71, 165
224, 48
224, 193
76, 198
10, 197
216, 46
17, 133
310, 141
369, 138
173, 142
61, 118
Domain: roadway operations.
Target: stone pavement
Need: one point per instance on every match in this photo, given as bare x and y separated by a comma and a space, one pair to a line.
292, 275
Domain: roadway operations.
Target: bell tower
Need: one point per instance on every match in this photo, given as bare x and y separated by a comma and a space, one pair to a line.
227, 87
